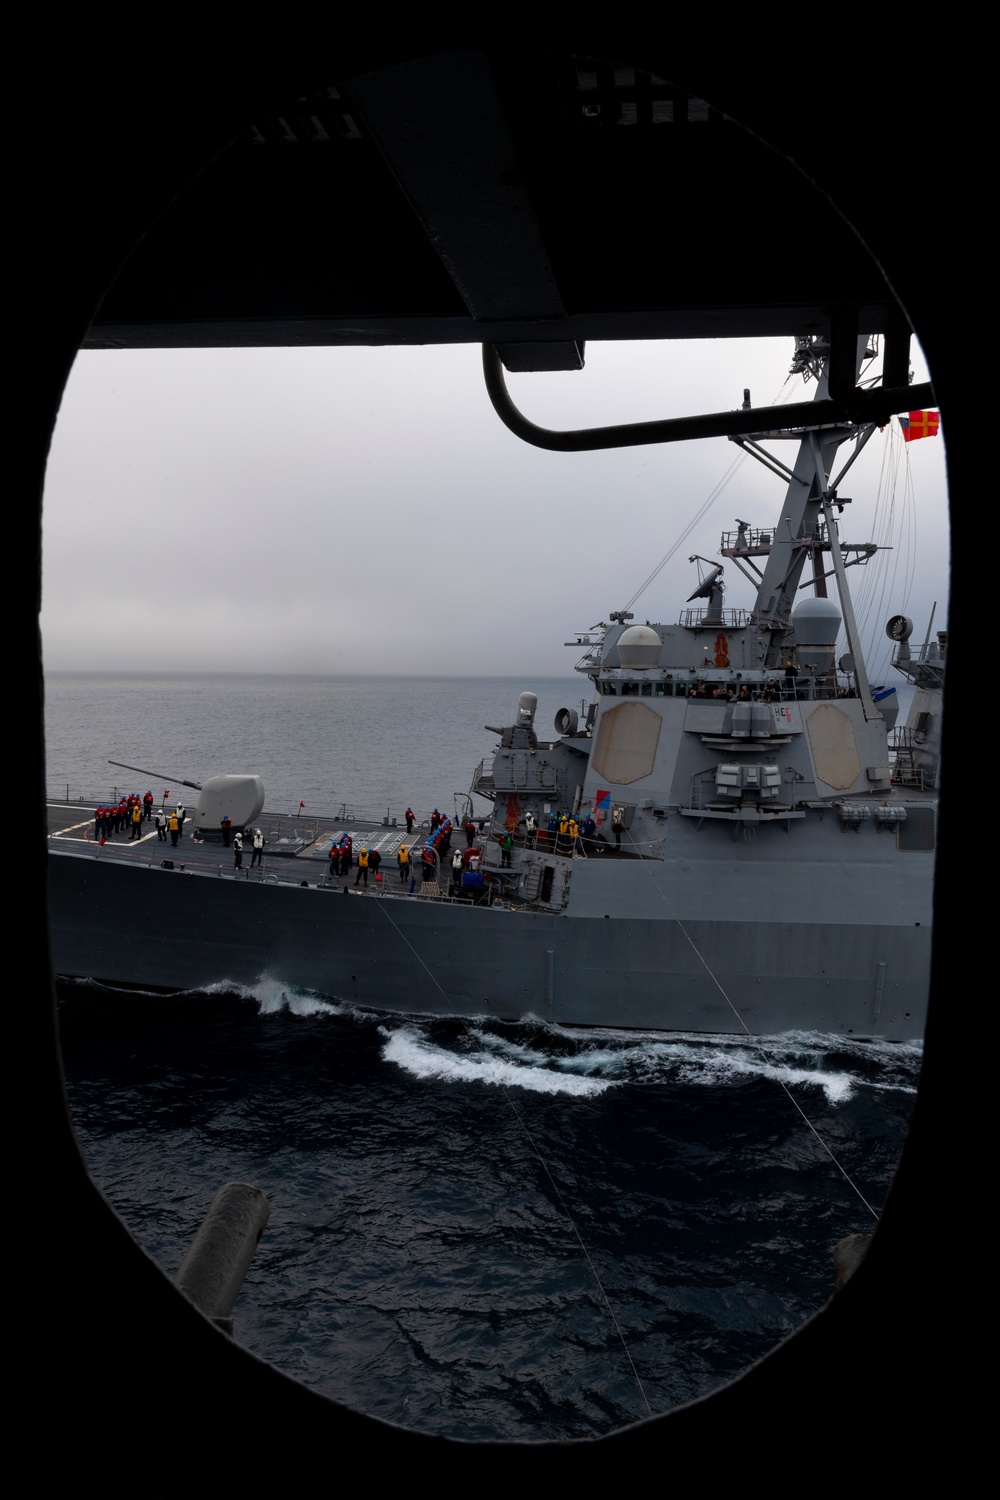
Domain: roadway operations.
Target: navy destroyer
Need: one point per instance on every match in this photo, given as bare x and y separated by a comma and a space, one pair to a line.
734, 836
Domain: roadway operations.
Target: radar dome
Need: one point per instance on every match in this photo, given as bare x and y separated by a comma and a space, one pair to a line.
817, 624
639, 646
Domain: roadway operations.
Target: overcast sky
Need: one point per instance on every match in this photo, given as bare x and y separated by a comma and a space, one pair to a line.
364, 510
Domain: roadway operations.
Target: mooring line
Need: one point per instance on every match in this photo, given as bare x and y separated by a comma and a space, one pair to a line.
413, 950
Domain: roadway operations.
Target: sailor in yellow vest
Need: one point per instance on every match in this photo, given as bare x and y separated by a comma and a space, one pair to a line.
362, 868
403, 861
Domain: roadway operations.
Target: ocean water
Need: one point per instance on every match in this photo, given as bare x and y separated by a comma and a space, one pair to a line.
370, 742
477, 1229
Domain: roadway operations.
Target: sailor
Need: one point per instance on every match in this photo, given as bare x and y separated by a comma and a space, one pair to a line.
506, 845
136, 820
427, 864
238, 850
617, 825
258, 849
161, 826
588, 828
403, 861
147, 806
435, 821
470, 834
374, 861
456, 869
408, 815
175, 828
362, 868
181, 815
530, 830
227, 830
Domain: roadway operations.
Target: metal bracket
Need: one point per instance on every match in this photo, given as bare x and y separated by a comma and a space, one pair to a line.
862, 406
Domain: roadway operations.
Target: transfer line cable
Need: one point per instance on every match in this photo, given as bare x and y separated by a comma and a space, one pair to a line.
706, 506
755, 1043
586, 1252
545, 1168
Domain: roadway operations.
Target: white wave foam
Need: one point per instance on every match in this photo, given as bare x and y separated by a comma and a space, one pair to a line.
273, 996
788, 1058
413, 1052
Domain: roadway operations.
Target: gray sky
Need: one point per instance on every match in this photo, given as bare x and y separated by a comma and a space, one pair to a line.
364, 510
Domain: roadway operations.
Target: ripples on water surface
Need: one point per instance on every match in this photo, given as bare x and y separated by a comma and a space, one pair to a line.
449, 1198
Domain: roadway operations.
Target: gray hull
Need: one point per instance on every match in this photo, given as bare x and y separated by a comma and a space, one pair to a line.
675, 960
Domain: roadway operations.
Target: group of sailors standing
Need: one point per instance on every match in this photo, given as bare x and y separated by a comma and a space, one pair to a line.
256, 836
130, 812
561, 832
432, 860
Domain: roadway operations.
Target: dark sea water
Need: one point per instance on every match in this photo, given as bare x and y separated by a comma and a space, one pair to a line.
477, 1229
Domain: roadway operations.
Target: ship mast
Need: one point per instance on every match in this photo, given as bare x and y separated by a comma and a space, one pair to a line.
807, 526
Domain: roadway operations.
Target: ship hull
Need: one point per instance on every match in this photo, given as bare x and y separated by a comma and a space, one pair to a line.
665, 957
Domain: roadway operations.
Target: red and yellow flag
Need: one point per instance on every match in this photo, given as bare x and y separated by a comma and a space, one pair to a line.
919, 424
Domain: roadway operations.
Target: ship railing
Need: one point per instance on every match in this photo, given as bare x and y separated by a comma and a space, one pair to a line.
306, 823
548, 841
482, 784
904, 746
69, 794
751, 541
777, 689
727, 619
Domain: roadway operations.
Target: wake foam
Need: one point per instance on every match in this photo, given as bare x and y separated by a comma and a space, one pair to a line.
554, 1059
271, 996
524, 1068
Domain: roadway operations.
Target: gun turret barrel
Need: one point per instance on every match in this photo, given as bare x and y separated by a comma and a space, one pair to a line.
157, 775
